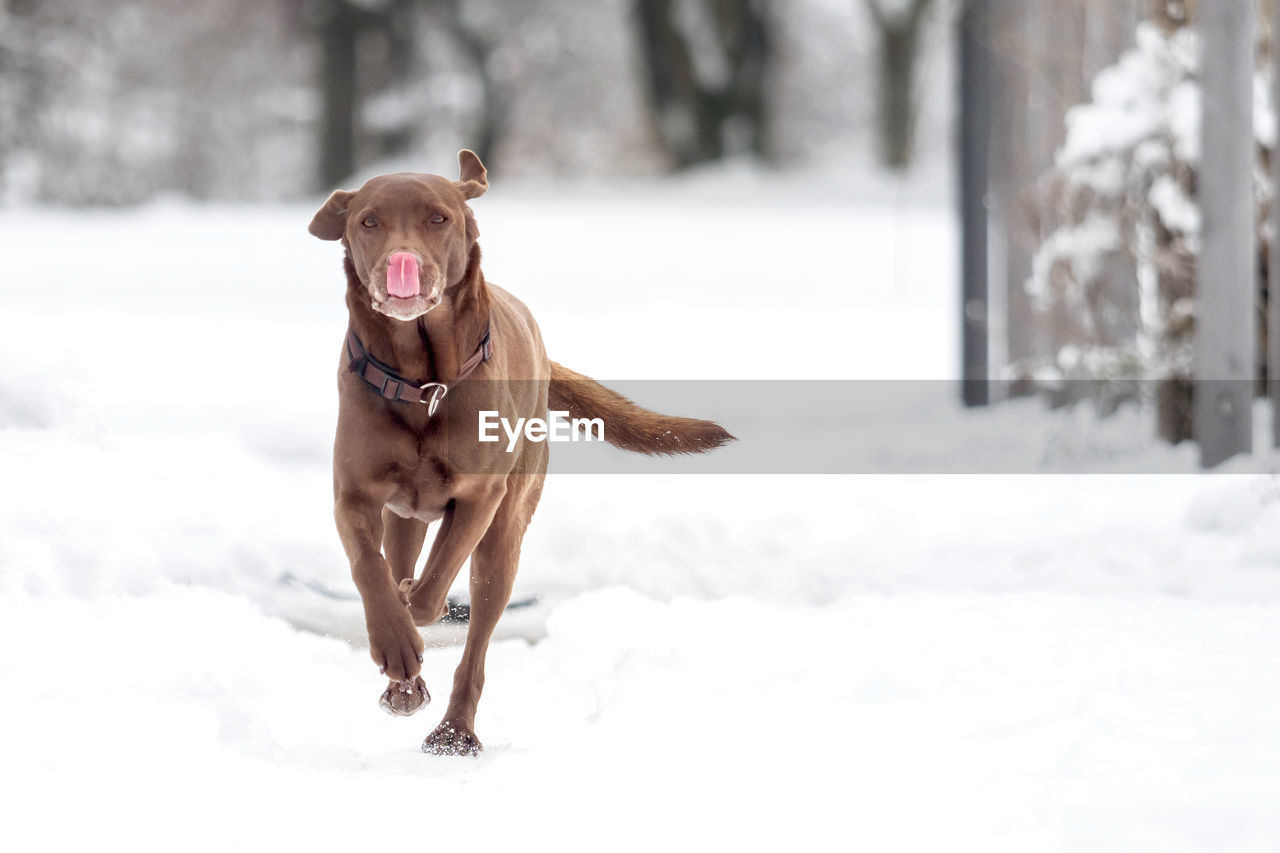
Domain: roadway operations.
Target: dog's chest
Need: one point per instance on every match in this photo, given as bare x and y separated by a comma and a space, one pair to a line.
423, 487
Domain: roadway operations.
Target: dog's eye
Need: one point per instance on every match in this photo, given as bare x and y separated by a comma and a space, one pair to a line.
370, 221
437, 218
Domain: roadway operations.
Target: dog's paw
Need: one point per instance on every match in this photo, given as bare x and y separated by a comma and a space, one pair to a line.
402, 698
422, 614
422, 617
451, 738
396, 647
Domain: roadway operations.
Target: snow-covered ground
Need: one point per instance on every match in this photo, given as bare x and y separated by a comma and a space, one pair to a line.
951, 661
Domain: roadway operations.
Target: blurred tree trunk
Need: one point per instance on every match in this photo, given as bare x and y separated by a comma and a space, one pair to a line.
396, 62
28, 80
339, 29
899, 45
492, 108
696, 119
346, 76
369, 47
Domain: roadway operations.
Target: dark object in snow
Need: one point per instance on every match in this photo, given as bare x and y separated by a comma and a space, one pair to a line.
459, 608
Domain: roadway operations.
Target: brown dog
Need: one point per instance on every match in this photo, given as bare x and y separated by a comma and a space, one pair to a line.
420, 307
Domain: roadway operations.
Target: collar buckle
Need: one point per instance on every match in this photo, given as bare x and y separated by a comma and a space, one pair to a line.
438, 390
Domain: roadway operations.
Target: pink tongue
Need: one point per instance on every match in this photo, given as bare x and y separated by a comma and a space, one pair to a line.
402, 275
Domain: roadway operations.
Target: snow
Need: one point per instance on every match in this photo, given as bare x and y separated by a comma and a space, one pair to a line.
1144, 94
1078, 659
1033, 721
1174, 206
1081, 248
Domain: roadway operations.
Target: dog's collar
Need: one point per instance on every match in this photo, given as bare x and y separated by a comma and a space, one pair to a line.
396, 388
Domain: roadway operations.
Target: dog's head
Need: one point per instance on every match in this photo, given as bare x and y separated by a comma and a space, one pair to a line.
409, 236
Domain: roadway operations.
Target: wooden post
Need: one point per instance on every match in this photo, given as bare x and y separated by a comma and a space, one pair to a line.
1273, 255
975, 129
1008, 250
1226, 278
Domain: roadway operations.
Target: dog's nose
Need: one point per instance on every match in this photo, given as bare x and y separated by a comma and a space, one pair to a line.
402, 275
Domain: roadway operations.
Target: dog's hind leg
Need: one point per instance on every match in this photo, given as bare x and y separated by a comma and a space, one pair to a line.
464, 523
402, 540
493, 572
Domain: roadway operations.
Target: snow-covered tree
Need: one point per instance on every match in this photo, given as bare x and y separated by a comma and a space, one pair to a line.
1114, 279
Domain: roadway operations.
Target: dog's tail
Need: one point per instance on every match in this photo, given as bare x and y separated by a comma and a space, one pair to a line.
627, 425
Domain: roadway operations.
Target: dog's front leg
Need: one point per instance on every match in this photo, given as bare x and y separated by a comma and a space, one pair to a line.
394, 642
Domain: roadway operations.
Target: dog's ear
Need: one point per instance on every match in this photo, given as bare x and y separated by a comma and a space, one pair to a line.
330, 221
473, 180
